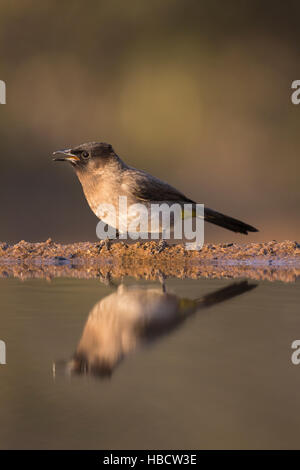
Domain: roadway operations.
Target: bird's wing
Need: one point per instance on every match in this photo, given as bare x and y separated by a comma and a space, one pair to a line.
149, 188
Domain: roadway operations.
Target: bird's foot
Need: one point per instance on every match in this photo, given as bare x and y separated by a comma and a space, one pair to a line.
104, 244
106, 279
162, 244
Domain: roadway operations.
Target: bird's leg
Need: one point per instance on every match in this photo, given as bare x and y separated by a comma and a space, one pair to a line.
106, 279
162, 278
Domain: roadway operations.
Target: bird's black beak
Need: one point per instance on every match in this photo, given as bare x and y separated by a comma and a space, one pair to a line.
65, 156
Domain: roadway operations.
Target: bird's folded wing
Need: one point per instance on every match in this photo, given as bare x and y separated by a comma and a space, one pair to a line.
146, 187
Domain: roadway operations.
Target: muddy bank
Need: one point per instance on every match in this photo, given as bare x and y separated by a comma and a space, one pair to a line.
160, 251
270, 260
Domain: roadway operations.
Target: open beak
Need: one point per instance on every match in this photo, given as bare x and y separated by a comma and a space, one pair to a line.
65, 156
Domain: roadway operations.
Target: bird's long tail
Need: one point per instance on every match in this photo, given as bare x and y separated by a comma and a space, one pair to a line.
227, 222
220, 295
189, 307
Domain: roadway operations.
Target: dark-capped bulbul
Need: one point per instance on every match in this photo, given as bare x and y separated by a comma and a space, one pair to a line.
104, 177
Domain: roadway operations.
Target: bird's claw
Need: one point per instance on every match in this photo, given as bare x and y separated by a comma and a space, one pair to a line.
104, 244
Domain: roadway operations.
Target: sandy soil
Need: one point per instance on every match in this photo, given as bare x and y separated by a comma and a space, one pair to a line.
270, 260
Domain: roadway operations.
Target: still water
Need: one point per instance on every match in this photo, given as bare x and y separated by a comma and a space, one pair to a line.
206, 364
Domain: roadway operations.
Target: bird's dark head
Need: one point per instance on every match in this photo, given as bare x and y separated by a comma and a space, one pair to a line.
89, 156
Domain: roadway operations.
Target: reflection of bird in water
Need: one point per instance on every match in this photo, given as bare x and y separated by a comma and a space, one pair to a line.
133, 316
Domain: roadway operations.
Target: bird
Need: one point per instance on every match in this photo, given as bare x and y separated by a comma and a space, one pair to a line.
104, 177
135, 316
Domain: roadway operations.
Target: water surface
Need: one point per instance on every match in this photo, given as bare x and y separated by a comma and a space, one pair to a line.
216, 374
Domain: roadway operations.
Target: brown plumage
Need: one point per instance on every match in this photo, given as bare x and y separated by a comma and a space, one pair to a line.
105, 177
132, 317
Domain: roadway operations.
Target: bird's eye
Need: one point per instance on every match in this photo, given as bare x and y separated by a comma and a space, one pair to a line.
85, 154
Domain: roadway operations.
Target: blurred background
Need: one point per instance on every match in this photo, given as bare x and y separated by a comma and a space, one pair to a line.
195, 92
